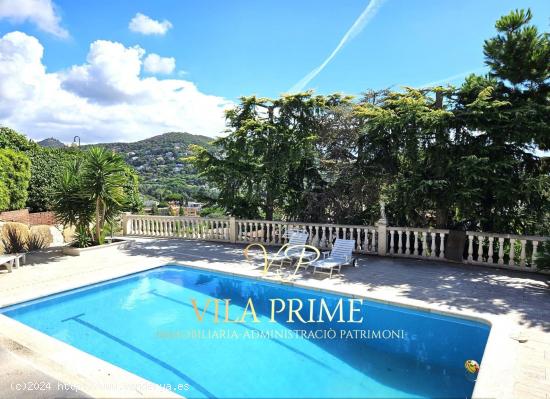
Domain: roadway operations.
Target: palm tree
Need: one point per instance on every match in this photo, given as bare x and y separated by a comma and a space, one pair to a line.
103, 178
92, 190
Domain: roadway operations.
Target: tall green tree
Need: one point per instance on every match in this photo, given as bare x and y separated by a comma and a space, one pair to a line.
268, 159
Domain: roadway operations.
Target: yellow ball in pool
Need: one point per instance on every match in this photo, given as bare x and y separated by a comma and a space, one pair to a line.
471, 366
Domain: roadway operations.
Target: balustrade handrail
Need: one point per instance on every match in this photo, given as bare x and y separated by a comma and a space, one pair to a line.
305, 224
489, 249
419, 229
502, 235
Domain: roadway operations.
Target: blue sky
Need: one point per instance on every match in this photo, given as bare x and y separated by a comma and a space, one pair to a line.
226, 49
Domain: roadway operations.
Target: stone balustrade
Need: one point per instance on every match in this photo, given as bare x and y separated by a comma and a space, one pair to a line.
488, 249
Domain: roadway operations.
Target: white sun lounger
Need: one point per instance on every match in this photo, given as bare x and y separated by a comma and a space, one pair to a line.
294, 238
8, 261
340, 255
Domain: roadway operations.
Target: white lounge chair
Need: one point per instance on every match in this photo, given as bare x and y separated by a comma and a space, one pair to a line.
295, 237
20, 259
8, 261
340, 255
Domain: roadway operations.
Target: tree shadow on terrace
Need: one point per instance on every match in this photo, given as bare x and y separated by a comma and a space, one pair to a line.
460, 287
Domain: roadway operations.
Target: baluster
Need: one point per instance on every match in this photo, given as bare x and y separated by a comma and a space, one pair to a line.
329, 243
392, 251
432, 253
512, 252
407, 242
470, 248
416, 248
424, 251
522, 253
534, 256
374, 240
399, 241
263, 234
490, 251
480, 240
270, 232
500, 250
441, 245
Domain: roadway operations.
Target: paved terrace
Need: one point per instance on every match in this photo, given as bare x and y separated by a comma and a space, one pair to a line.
514, 302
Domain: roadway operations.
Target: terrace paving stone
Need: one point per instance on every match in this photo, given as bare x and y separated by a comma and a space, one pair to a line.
516, 303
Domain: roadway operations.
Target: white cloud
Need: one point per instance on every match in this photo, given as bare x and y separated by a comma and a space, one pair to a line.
104, 99
111, 74
154, 63
39, 12
148, 26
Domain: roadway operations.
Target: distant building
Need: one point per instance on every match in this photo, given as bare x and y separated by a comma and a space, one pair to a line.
150, 203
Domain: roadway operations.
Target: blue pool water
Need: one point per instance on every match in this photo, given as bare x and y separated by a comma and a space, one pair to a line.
146, 324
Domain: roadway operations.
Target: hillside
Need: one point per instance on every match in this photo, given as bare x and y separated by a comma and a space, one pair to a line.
51, 143
158, 160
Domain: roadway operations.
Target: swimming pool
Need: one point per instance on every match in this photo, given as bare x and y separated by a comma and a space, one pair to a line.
165, 326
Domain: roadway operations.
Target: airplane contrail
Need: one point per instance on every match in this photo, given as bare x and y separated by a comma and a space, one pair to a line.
453, 77
368, 13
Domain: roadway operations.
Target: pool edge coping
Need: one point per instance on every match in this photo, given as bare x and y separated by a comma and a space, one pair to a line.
493, 353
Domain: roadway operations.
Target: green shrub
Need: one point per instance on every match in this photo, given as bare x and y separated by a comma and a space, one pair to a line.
47, 166
9, 138
4, 194
35, 242
82, 238
42, 231
15, 175
13, 240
